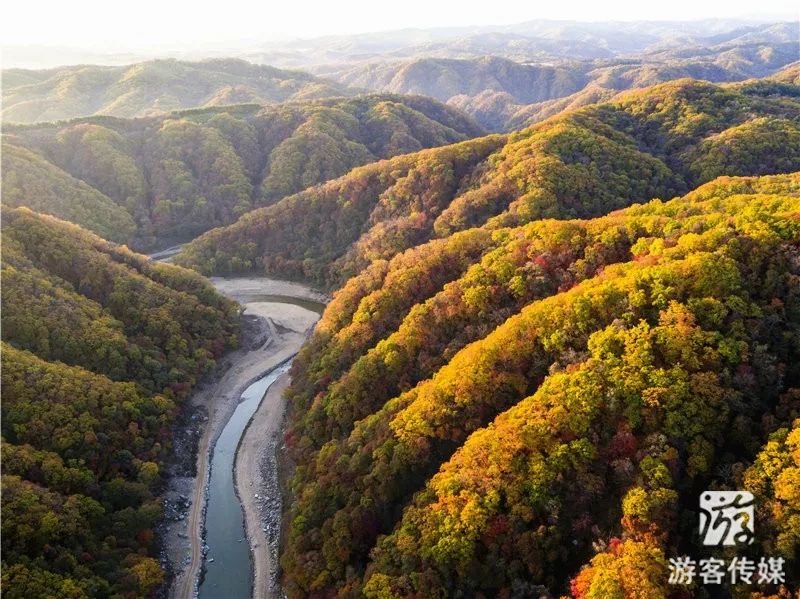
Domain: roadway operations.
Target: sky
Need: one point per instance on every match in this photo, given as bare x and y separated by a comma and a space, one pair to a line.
145, 23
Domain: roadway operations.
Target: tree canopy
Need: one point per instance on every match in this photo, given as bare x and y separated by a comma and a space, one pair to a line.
100, 347
659, 142
554, 404
163, 179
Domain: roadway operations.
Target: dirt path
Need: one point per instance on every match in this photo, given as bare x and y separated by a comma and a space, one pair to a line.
220, 399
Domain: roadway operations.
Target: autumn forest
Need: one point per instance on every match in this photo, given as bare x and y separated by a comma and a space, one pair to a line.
562, 274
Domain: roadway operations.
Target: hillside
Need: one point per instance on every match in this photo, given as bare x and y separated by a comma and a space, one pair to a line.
30, 180
451, 311
149, 88
788, 74
504, 95
656, 143
472, 421
456, 392
160, 180
100, 347
443, 78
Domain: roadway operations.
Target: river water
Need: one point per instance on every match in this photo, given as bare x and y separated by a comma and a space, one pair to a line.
229, 570
228, 559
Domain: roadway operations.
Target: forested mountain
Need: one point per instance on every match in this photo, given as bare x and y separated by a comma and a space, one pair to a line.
162, 179
29, 179
471, 83
658, 142
152, 87
506, 95
496, 403
788, 74
472, 421
500, 75
100, 346
543, 342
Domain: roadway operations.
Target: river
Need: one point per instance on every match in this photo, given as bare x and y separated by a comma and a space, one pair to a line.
229, 568
228, 548
216, 535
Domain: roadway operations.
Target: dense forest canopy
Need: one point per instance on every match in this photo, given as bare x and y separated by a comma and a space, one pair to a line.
660, 142
452, 417
29, 179
150, 88
100, 347
165, 179
470, 420
542, 344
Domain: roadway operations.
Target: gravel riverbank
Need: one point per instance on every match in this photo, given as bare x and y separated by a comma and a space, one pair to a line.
276, 332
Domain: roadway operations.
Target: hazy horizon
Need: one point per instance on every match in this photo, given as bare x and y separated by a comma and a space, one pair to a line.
205, 32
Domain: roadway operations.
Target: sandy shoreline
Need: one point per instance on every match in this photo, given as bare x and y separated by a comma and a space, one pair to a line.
247, 289
287, 326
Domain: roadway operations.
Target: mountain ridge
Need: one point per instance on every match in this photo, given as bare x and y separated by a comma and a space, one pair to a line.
506, 95
565, 170
178, 175
152, 87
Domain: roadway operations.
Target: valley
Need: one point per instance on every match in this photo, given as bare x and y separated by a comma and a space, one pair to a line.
209, 530
429, 313
159, 181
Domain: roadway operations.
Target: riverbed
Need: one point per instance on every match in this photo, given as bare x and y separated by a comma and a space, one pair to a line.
212, 535
229, 569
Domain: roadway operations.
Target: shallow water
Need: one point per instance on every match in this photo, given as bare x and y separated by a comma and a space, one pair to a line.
230, 574
308, 304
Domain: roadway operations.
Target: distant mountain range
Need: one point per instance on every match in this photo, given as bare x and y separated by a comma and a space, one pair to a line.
505, 78
153, 87
506, 95
541, 40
